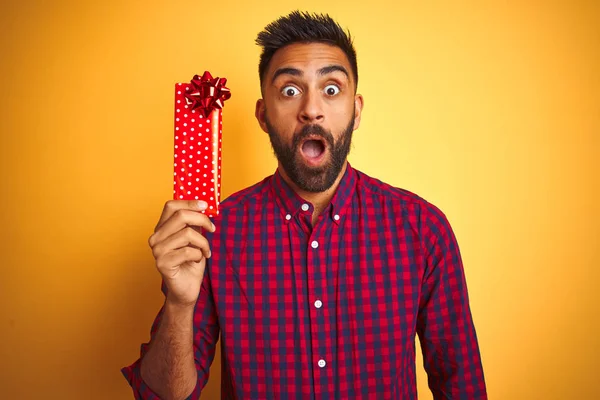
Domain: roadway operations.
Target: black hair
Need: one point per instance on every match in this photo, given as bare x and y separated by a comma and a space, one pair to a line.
303, 27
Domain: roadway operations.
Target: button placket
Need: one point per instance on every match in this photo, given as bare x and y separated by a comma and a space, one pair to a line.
316, 259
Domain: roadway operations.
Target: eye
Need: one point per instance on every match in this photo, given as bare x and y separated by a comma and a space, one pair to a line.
290, 91
332, 90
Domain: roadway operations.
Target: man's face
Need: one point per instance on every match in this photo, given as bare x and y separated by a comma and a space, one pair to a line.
309, 110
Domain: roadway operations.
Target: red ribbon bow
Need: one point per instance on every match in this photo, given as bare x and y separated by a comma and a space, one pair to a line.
206, 94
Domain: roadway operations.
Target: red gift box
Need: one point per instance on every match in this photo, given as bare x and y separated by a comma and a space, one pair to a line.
198, 133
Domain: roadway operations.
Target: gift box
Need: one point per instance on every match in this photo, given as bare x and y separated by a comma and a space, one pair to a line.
198, 134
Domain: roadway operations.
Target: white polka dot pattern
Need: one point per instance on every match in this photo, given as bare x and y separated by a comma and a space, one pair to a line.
197, 154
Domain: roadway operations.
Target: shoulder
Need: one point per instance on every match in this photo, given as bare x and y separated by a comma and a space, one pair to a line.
251, 195
233, 212
386, 191
409, 204
371, 186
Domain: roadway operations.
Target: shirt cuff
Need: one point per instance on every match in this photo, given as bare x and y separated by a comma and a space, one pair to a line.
141, 391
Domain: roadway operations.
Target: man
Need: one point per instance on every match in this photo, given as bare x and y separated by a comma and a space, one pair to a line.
318, 277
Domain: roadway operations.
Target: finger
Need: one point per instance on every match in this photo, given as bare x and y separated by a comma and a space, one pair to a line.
185, 237
177, 257
179, 220
172, 206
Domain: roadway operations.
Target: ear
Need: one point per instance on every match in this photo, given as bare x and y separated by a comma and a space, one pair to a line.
259, 113
358, 107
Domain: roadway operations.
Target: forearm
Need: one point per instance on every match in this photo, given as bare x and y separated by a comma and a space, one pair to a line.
168, 367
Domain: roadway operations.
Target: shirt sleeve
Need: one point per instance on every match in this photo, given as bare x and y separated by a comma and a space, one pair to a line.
444, 324
206, 333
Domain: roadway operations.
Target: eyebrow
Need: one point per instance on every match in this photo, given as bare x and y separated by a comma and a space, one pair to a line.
323, 71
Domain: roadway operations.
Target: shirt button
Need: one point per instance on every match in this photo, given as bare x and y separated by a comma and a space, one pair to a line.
314, 244
318, 304
288, 217
336, 217
305, 207
321, 363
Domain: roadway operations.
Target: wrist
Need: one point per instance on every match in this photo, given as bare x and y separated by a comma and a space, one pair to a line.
178, 306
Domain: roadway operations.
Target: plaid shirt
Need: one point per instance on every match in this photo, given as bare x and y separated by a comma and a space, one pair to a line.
331, 312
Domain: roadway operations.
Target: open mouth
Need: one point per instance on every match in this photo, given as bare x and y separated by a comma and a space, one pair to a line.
313, 149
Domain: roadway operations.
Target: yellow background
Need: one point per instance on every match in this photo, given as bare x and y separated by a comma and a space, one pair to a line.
489, 110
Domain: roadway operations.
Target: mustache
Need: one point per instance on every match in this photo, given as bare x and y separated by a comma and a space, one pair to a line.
312, 130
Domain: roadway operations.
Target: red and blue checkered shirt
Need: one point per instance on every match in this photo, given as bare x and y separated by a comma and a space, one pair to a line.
331, 311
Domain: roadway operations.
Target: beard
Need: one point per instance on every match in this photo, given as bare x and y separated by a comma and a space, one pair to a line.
309, 178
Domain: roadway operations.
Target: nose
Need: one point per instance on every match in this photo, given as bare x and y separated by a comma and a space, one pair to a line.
311, 110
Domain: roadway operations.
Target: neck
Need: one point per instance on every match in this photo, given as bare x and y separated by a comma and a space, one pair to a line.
319, 200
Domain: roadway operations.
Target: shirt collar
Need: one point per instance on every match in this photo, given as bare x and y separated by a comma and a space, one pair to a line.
290, 203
